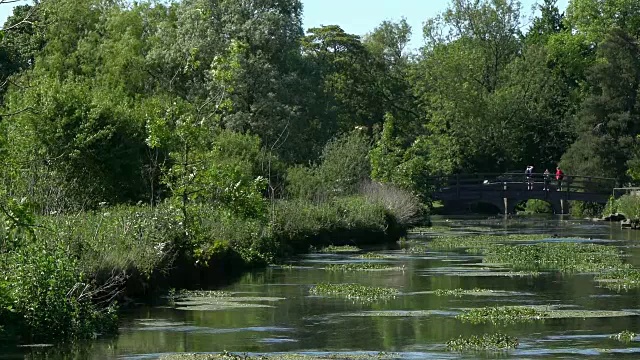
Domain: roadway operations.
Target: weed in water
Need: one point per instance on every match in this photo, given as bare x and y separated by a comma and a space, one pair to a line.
624, 336
564, 257
501, 315
323, 356
362, 267
620, 279
354, 292
340, 249
372, 256
460, 292
486, 342
476, 243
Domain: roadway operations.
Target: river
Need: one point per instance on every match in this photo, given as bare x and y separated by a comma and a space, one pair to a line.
286, 318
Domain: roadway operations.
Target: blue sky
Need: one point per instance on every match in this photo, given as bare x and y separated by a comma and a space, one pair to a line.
361, 16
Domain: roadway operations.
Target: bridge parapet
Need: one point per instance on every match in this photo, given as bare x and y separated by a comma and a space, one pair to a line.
506, 189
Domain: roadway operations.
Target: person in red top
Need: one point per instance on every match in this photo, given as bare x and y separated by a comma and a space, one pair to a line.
559, 177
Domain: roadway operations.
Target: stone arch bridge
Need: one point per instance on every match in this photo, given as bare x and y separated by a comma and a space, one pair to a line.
506, 190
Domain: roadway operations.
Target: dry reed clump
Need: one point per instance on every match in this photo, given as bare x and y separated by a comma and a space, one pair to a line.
403, 205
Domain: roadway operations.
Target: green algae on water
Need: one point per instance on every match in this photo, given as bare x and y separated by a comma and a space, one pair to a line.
624, 336
373, 256
475, 243
623, 278
362, 267
564, 257
486, 342
202, 300
501, 315
461, 292
393, 313
354, 292
290, 356
340, 249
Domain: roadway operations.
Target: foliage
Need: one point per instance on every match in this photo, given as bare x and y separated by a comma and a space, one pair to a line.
490, 342
584, 209
339, 249
624, 336
535, 206
621, 278
501, 315
564, 257
629, 205
460, 292
361, 267
343, 168
355, 292
47, 297
405, 207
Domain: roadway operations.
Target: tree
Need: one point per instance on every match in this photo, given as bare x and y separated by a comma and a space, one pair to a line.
609, 119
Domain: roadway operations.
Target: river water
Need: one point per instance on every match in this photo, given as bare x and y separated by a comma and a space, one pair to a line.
288, 319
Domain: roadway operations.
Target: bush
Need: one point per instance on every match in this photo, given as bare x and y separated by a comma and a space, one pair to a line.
47, 297
583, 209
405, 208
344, 166
629, 205
118, 239
535, 206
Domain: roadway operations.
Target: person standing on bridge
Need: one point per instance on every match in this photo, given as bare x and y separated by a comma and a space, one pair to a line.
559, 177
529, 175
547, 179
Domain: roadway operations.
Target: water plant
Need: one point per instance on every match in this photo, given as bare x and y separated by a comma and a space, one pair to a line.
460, 292
486, 342
623, 278
476, 243
354, 292
290, 356
339, 249
501, 315
562, 256
362, 267
624, 336
372, 256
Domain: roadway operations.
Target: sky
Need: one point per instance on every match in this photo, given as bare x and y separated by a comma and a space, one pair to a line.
362, 16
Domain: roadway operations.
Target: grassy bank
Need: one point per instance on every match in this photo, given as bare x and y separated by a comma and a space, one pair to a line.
65, 272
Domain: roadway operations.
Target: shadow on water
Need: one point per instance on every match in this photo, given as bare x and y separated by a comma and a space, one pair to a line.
277, 313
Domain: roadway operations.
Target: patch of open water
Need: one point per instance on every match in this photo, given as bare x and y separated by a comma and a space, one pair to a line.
414, 325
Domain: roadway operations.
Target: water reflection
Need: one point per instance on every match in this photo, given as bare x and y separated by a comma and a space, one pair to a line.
301, 322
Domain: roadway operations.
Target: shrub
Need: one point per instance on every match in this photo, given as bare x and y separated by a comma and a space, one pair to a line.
405, 208
118, 239
50, 298
583, 209
629, 205
535, 206
344, 166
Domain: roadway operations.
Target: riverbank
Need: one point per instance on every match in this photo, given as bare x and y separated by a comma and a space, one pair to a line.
133, 254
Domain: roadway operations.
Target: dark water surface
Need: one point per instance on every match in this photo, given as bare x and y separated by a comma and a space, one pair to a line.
291, 320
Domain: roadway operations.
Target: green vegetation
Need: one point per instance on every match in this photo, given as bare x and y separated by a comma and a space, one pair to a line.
362, 267
477, 243
373, 256
623, 278
486, 342
340, 249
629, 205
564, 257
241, 149
535, 206
461, 292
357, 292
501, 315
232, 356
624, 336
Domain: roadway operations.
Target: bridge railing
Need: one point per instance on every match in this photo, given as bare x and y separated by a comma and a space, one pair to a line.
514, 181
